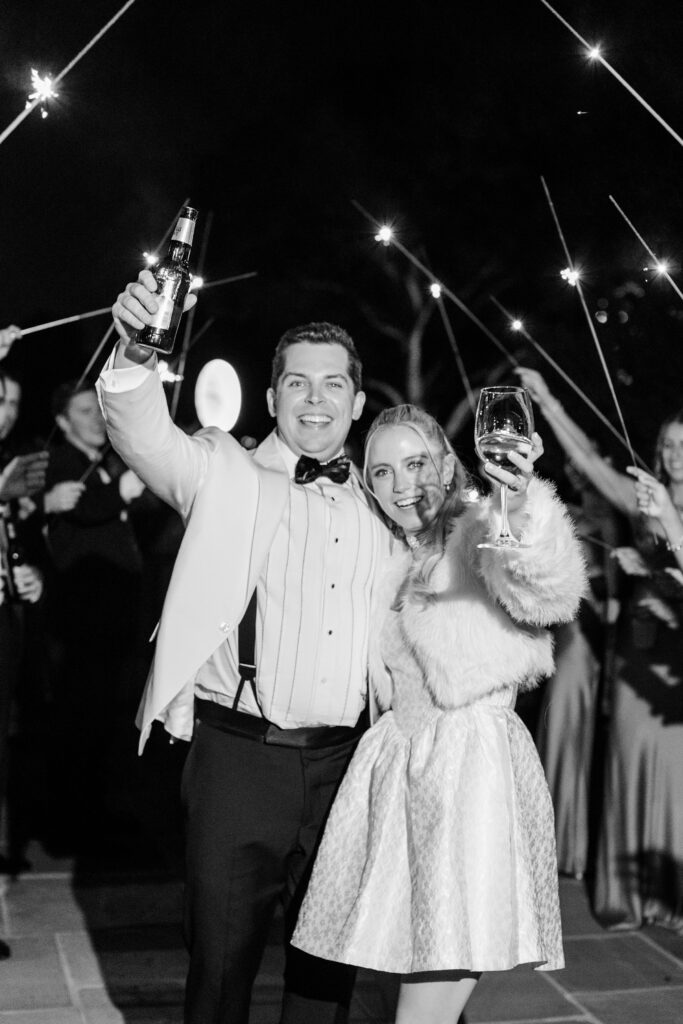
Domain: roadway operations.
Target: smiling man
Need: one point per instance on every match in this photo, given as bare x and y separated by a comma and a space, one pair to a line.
275, 707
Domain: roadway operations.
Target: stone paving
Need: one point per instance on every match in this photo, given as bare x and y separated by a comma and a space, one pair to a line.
89, 949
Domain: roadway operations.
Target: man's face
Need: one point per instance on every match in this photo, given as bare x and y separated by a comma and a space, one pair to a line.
315, 403
9, 407
82, 421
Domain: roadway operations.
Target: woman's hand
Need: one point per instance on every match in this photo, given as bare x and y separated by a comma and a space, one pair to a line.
630, 561
63, 497
535, 385
518, 483
652, 496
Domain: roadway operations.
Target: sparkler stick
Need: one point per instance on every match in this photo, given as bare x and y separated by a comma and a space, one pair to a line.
228, 280
450, 334
387, 236
39, 98
64, 320
660, 265
180, 369
517, 325
594, 54
589, 320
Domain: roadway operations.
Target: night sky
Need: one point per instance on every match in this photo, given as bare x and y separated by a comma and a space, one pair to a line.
441, 118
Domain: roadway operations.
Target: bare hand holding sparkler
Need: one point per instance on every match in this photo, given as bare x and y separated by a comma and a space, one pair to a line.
8, 335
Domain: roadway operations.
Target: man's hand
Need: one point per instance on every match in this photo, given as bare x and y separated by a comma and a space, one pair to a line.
8, 335
63, 497
133, 310
24, 475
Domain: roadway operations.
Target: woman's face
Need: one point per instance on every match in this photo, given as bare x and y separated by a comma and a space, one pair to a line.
407, 477
672, 452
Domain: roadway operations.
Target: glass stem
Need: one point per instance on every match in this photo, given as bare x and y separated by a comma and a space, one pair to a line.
504, 525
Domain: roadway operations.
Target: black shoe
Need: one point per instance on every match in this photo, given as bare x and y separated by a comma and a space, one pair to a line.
5, 951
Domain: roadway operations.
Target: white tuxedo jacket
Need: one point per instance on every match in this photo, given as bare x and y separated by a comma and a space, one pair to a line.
231, 505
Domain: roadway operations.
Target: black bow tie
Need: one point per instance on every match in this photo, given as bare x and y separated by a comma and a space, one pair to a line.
308, 469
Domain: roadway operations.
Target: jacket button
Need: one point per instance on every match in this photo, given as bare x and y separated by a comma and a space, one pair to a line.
224, 627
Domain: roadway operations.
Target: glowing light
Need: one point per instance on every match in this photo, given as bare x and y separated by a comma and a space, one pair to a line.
516, 325
151, 258
435, 290
217, 395
572, 277
42, 91
196, 283
662, 267
167, 375
594, 53
384, 235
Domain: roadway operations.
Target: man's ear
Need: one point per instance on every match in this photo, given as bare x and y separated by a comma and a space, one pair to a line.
358, 404
271, 402
63, 423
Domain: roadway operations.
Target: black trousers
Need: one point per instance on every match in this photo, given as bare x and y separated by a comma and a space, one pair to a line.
254, 815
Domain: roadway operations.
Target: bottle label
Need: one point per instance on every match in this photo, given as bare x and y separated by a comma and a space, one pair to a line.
162, 318
184, 231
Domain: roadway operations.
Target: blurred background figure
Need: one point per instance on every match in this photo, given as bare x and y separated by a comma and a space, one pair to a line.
639, 867
570, 707
93, 615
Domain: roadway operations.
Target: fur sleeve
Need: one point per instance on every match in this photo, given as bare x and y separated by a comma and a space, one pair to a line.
542, 582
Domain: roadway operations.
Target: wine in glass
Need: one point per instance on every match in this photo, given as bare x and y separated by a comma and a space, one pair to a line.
504, 423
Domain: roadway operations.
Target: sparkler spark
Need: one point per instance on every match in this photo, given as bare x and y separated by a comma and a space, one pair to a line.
594, 53
196, 283
662, 267
42, 92
167, 375
516, 325
151, 258
572, 277
384, 235
435, 290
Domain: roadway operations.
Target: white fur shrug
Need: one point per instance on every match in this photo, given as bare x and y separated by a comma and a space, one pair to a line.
486, 628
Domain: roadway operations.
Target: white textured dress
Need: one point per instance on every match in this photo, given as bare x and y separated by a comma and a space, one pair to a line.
439, 852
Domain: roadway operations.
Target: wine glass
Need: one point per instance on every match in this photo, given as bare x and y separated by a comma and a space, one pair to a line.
504, 423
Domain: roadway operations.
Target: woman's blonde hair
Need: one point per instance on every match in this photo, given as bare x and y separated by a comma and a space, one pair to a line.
416, 585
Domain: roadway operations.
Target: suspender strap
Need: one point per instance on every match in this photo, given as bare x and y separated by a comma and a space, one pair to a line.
246, 650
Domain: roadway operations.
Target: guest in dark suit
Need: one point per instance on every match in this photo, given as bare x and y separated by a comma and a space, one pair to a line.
96, 569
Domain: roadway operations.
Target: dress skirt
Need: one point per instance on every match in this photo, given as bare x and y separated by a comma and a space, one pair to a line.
439, 853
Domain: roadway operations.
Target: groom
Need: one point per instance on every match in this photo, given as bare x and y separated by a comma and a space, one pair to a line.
270, 743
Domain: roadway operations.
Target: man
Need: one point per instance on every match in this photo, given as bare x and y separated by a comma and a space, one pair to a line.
268, 751
93, 603
21, 477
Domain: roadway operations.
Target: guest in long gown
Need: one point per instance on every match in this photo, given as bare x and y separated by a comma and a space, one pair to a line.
571, 702
438, 861
639, 870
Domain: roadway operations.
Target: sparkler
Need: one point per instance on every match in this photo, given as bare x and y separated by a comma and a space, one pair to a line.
64, 320
661, 266
436, 290
42, 92
594, 53
572, 277
518, 325
38, 98
589, 320
391, 237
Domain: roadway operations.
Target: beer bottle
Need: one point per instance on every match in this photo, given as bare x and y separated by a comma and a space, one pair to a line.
173, 282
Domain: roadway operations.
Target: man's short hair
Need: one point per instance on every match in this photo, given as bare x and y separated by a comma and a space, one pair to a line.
317, 334
62, 396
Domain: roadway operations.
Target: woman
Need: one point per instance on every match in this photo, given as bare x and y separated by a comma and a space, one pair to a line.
438, 861
640, 846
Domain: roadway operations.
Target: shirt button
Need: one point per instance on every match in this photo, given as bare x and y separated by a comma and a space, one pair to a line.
332, 586
336, 540
329, 632
224, 627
